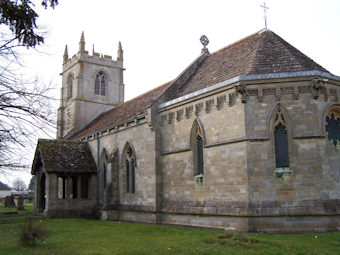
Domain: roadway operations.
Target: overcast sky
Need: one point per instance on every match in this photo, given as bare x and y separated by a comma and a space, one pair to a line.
161, 38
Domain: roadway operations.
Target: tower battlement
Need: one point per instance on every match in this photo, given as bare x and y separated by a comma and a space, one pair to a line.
91, 85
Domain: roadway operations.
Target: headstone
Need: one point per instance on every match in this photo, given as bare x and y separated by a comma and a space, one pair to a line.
9, 201
20, 203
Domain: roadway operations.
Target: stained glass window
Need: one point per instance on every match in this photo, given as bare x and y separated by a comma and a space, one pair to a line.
281, 146
200, 163
333, 128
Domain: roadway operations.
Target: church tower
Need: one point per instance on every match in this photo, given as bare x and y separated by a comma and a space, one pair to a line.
91, 85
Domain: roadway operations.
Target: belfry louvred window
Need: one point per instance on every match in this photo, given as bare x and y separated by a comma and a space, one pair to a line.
100, 84
281, 140
69, 86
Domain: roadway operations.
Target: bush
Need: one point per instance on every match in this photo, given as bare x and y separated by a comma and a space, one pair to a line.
31, 235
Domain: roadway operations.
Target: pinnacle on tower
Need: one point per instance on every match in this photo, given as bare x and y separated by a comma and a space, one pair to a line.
82, 43
65, 57
120, 52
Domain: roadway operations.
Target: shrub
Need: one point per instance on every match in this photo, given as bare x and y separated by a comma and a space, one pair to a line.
31, 235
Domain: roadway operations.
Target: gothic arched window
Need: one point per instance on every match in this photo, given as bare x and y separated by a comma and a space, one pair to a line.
69, 86
100, 84
199, 156
130, 165
197, 149
332, 126
281, 140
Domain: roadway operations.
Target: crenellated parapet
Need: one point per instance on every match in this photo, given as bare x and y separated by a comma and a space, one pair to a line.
96, 58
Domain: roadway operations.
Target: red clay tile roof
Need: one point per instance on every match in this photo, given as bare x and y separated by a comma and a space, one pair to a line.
124, 111
260, 53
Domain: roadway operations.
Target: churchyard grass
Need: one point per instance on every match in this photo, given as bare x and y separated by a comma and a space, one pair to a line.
6, 212
81, 236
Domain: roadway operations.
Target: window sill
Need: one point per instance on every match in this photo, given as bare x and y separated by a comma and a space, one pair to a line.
282, 171
199, 179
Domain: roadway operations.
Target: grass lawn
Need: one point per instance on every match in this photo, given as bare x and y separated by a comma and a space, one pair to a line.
17, 213
81, 236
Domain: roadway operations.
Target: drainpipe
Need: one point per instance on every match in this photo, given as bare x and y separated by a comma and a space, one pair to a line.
98, 180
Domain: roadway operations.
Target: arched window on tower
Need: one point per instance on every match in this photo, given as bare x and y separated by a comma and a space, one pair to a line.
198, 155
130, 166
100, 84
280, 129
69, 86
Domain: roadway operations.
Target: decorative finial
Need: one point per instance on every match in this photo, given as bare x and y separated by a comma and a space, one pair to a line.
120, 52
92, 49
82, 43
205, 41
65, 57
265, 8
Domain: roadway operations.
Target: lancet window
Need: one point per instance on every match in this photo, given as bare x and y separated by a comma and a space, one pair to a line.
281, 140
198, 151
100, 84
69, 86
130, 168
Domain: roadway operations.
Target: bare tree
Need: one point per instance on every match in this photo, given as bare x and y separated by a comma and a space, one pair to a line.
25, 105
19, 184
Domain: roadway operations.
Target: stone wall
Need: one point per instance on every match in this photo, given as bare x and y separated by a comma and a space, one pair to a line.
310, 186
141, 138
225, 186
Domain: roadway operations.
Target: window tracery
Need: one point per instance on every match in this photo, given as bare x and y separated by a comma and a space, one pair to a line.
332, 126
100, 84
130, 167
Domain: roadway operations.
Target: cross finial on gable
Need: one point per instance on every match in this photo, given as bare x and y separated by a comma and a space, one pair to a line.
205, 41
265, 8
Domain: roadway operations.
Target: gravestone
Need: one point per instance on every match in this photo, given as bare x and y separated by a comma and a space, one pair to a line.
20, 203
9, 201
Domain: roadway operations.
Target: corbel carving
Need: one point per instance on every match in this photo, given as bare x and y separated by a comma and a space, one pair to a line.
232, 98
208, 105
188, 111
179, 114
220, 101
317, 85
278, 93
171, 117
242, 90
199, 107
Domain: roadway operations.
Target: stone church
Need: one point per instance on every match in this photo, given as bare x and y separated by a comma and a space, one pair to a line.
245, 139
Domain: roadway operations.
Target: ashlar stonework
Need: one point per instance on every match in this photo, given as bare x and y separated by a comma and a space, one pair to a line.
245, 139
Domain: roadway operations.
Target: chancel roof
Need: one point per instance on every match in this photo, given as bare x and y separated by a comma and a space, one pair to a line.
261, 53
63, 156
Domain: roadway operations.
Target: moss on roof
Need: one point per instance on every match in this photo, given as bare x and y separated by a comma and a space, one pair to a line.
63, 156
